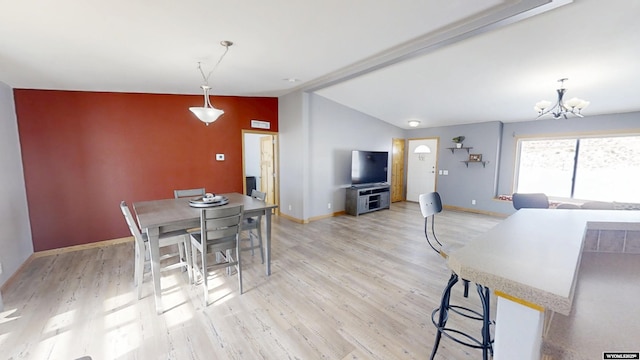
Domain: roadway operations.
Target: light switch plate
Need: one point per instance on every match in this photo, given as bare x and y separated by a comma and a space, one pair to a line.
220, 157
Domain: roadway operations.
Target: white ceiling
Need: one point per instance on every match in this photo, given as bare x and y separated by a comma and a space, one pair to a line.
441, 62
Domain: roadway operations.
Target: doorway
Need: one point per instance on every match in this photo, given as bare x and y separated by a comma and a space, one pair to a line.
421, 168
260, 163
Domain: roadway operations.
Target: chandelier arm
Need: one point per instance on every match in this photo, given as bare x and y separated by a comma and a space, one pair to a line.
560, 108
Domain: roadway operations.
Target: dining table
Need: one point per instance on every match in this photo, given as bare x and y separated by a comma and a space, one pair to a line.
156, 217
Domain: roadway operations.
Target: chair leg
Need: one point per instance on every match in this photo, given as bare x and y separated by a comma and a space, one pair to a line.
229, 258
181, 257
443, 313
204, 272
187, 257
251, 235
139, 268
259, 231
239, 263
194, 263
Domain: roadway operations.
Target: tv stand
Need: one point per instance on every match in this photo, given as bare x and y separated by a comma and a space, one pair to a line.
367, 198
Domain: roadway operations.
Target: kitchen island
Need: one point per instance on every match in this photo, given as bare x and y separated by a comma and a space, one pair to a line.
531, 261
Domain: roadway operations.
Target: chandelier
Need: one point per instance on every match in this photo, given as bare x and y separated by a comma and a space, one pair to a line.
561, 109
207, 113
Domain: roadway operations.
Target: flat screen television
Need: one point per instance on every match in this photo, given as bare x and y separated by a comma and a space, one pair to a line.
369, 167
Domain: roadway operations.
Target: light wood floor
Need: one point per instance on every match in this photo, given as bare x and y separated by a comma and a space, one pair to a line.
341, 288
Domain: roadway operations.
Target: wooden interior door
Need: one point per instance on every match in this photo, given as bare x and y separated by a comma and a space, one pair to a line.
397, 170
267, 168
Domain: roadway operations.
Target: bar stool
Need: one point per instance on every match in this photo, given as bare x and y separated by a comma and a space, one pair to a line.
431, 204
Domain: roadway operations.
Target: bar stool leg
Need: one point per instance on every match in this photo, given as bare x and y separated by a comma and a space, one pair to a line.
487, 346
443, 312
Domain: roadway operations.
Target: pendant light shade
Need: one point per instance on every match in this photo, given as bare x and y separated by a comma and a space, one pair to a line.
207, 113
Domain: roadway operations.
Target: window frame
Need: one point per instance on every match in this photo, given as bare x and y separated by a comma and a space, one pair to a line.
568, 136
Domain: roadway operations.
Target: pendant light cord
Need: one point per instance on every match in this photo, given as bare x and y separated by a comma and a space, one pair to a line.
226, 45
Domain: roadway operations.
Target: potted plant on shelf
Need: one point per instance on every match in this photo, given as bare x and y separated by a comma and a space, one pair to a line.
458, 140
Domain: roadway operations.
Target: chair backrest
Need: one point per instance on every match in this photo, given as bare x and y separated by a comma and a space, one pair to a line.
220, 223
133, 226
259, 195
567, 206
533, 201
430, 204
188, 193
598, 205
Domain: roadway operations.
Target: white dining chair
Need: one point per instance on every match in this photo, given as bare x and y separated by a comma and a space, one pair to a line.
219, 233
179, 238
181, 193
253, 227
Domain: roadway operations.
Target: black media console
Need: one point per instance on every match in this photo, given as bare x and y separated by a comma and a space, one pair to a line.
366, 198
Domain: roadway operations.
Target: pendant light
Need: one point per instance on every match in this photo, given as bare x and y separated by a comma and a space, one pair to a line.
207, 113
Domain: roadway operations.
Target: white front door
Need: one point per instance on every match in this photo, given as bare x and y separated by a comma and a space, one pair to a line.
421, 168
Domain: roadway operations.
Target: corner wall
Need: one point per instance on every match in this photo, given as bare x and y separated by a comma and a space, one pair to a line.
335, 131
15, 238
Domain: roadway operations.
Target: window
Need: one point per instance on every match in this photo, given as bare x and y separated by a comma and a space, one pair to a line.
585, 168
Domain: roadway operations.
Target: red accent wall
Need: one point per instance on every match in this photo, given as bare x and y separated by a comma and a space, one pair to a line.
84, 152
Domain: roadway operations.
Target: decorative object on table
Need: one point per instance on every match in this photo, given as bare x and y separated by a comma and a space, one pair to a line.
208, 200
458, 141
207, 113
561, 109
475, 157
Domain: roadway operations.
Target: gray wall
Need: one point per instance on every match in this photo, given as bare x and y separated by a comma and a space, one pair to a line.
336, 130
15, 238
293, 150
316, 138
475, 182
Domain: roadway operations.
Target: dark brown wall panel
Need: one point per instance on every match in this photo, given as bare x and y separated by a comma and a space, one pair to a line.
84, 152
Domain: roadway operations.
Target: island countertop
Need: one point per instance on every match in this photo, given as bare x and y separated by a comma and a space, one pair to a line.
534, 255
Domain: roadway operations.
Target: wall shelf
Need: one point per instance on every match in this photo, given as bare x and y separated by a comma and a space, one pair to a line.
466, 162
453, 149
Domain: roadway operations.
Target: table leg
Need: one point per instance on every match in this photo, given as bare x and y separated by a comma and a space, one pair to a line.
267, 243
153, 235
518, 332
